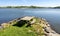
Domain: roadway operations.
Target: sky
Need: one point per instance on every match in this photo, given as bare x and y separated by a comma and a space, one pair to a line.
44, 3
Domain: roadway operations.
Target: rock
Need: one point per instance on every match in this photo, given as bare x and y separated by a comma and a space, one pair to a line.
4, 25
51, 34
0, 27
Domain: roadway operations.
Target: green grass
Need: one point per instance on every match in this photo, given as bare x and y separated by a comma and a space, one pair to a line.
22, 31
16, 31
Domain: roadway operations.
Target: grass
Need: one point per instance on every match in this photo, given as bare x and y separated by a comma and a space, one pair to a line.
22, 31
16, 31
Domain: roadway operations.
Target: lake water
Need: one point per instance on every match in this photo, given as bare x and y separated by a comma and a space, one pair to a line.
51, 15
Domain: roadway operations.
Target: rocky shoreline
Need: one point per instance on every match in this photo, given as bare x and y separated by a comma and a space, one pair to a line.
49, 32
46, 27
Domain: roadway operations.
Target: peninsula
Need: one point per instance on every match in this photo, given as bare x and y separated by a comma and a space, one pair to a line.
28, 25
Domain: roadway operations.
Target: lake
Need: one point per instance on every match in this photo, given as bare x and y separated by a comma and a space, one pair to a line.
51, 15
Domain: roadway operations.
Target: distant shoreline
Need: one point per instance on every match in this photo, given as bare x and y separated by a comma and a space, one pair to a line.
21, 7
29, 7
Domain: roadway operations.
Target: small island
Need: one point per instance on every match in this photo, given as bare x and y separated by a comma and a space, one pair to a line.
28, 25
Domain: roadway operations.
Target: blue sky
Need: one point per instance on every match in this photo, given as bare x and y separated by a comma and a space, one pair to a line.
46, 3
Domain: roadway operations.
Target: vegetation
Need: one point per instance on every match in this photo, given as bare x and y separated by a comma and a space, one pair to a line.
16, 31
21, 7
28, 7
57, 7
21, 29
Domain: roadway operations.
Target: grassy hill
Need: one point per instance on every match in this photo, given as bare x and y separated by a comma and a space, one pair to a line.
35, 29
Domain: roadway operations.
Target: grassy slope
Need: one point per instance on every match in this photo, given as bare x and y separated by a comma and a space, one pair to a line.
22, 31
16, 31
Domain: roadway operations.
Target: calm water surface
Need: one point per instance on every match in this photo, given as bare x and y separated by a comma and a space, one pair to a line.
51, 15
